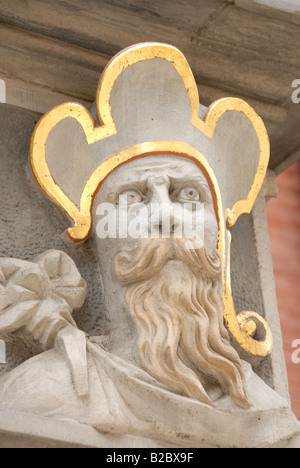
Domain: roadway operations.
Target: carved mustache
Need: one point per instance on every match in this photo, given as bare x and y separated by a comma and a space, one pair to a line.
150, 257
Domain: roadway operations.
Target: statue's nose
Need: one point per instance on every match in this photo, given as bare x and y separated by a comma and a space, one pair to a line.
161, 208
159, 188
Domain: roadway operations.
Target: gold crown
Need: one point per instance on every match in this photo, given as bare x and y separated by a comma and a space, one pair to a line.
140, 88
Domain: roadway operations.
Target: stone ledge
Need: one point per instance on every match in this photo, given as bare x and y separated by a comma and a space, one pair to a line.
271, 9
291, 6
22, 430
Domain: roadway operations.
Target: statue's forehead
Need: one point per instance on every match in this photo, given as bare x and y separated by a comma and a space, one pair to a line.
140, 169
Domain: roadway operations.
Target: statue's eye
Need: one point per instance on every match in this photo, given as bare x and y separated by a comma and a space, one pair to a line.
188, 194
130, 196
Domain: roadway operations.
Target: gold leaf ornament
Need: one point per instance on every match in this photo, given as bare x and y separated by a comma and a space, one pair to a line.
229, 144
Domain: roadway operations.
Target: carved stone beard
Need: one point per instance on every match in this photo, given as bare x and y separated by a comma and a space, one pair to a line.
175, 299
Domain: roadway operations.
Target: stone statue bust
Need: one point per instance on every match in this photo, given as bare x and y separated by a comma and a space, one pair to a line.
157, 186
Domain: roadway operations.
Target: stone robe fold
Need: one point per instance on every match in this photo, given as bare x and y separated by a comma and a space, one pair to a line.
124, 399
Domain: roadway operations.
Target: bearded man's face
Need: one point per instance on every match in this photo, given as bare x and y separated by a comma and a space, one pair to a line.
172, 274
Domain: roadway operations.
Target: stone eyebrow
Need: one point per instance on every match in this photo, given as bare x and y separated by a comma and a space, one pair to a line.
138, 178
190, 178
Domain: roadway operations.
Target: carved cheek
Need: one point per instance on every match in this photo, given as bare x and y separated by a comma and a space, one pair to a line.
210, 229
